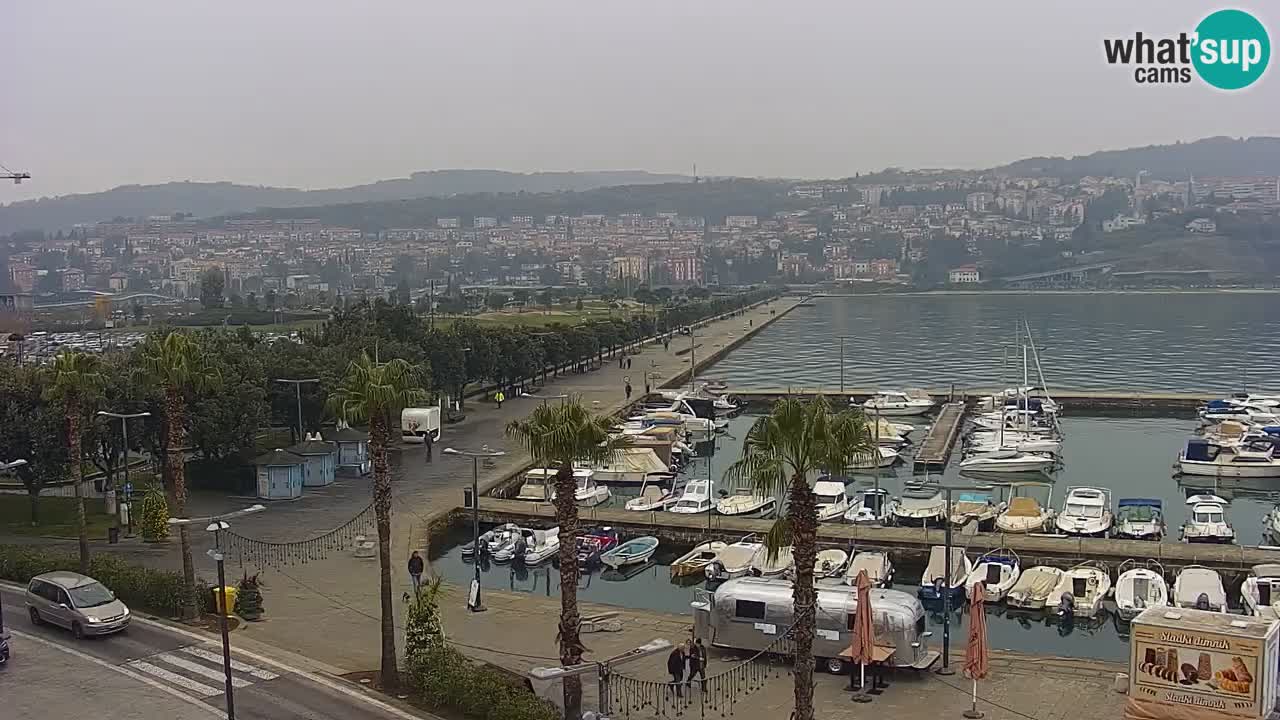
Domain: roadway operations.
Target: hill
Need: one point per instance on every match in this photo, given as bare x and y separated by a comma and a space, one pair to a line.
205, 199
1210, 157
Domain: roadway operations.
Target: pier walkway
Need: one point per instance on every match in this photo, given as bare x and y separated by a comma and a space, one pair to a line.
936, 448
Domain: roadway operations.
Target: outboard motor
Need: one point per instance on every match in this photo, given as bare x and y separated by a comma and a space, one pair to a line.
1067, 606
522, 547
713, 570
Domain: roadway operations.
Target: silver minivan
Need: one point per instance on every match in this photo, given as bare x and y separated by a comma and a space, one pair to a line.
76, 602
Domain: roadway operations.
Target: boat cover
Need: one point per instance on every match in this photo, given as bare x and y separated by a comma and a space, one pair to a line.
1199, 450
1140, 502
1038, 582
1023, 507
636, 460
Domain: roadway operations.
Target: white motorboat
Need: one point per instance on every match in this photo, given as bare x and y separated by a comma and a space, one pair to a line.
1032, 589
696, 498
494, 540
1086, 512
919, 506
734, 560
896, 403
985, 444
685, 421
868, 506
746, 503
831, 500
1217, 411
1014, 397
933, 583
539, 483
1139, 519
1007, 461
1027, 421
889, 434
632, 552
532, 547
1087, 584
1201, 588
1025, 514
1207, 520
879, 568
1261, 590
975, 506
1138, 588
659, 492
765, 566
998, 571
629, 465
587, 492
1253, 459
882, 457
830, 562
1271, 524
695, 561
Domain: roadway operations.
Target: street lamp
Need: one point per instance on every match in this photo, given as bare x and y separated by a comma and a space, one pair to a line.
842, 338
473, 598
297, 385
216, 525
124, 419
946, 578
544, 398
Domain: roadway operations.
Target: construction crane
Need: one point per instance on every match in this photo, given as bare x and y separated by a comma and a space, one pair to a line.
16, 177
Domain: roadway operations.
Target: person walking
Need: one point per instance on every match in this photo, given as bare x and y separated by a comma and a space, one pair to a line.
622, 359
627, 390
697, 664
628, 362
429, 440
675, 666
499, 397
416, 567
666, 343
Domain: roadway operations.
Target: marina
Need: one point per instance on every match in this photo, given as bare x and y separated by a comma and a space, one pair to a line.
936, 448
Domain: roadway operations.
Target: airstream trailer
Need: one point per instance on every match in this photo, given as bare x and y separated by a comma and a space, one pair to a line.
752, 613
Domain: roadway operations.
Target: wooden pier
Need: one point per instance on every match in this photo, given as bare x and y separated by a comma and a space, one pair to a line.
936, 448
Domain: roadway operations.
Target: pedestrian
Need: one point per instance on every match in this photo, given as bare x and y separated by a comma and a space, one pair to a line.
415, 571
621, 360
666, 343
675, 666
628, 362
429, 440
646, 387
697, 663
627, 390
499, 397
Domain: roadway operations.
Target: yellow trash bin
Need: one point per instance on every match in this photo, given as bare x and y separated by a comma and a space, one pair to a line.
225, 597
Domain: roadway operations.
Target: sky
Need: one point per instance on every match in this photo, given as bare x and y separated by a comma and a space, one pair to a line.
323, 93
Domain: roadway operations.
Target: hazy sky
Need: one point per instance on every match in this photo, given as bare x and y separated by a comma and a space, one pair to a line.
317, 93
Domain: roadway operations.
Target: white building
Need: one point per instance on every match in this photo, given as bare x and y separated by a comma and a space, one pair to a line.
965, 274
448, 223
485, 222
1202, 225
741, 221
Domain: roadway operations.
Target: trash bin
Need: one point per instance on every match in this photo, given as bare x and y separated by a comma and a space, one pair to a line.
226, 597
113, 535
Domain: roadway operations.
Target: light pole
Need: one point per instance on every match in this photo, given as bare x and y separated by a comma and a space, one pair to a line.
297, 385
545, 398
216, 525
842, 338
473, 598
946, 578
124, 419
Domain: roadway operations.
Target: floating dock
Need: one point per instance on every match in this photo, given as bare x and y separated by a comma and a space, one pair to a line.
936, 448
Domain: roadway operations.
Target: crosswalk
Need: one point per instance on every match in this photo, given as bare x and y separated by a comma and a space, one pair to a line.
197, 670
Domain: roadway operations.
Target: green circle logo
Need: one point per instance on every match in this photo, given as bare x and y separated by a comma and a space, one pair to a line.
1231, 49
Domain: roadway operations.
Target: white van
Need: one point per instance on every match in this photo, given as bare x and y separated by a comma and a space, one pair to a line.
415, 423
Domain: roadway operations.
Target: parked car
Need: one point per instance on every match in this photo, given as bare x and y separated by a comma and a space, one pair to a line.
76, 602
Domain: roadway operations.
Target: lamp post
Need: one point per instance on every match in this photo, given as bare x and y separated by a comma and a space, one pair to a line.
124, 419
545, 398
473, 598
946, 578
216, 525
297, 385
842, 338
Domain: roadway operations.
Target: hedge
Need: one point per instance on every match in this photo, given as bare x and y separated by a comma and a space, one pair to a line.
159, 592
447, 679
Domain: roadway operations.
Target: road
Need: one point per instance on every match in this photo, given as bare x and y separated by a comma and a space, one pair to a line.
153, 672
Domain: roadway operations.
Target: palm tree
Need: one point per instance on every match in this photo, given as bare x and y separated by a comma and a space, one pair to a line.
176, 365
783, 452
74, 379
371, 392
555, 436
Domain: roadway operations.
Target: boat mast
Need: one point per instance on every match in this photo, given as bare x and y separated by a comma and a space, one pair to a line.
1036, 354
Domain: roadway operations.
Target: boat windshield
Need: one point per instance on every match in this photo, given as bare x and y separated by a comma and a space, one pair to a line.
826, 499
582, 482
1209, 517
1140, 513
1086, 511
687, 504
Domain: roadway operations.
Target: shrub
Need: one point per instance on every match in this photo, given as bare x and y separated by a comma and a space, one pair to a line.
155, 515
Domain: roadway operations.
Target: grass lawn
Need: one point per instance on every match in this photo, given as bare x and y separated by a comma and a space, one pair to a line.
57, 517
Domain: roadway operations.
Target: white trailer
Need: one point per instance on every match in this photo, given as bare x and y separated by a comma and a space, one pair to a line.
415, 423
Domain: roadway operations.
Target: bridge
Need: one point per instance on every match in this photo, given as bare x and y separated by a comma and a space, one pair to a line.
1062, 276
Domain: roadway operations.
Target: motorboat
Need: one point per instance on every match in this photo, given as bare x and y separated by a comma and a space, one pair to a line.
632, 552
734, 560
889, 434
830, 562
1016, 397
975, 506
1025, 514
1253, 459
919, 506
532, 547
1138, 588
1200, 588
896, 403
695, 561
988, 443
879, 568
539, 484
1207, 520
659, 492
493, 540
933, 584
666, 418
1216, 411
594, 543
1027, 421
882, 457
1032, 589
629, 465
868, 506
695, 499
765, 566
1139, 519
998, 571
745, 502
1086, 512
1271, 524
1007, 461
1260, 591
587, 492
831, 500
1087, 585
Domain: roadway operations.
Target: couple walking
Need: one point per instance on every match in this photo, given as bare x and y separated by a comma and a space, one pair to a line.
685, 661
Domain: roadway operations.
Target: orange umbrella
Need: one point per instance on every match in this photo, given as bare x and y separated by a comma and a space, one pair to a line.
864, 639
976, 661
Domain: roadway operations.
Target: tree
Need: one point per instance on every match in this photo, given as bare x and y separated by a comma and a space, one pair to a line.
374, 392
175, 364
577, 305
74, 379
521, 296
138, 311
783, 450
557, 436
212, 284
495, 301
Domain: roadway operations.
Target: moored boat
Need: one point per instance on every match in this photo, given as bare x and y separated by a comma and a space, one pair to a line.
1260, 591
1207, 521
632, 552
1032, 589
1138, 588
933, 584
1082, 589
1086, 512
1200, 588
868, 506
998, 571
734, 559
919, 506
897, 403
1139, 519
830, 498
695, 561
876, 564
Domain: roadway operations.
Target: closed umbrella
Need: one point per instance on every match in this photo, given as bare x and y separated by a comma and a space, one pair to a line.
976, 662
864, 640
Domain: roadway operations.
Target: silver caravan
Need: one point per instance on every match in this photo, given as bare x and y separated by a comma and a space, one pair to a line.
751, 613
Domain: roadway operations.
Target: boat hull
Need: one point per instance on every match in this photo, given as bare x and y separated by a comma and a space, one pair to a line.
1208, 469
763, 511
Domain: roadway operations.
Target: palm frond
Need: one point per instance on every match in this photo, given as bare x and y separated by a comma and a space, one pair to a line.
778, 537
